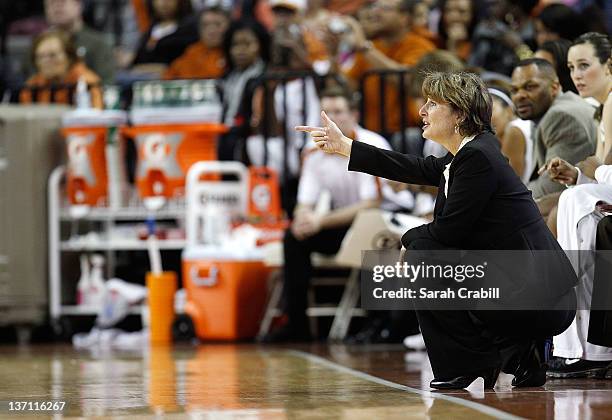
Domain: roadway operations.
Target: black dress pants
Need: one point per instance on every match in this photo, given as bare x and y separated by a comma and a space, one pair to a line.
298, 268
462, 342
600, 321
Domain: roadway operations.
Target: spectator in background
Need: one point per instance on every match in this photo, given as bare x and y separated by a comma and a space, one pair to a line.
504, 37
558, 21
91, 46
290, 33
419, 10
167, 37
246, 46
311, 232
58, 69
395, 47
204, 59
457, 24
291, 102
564, 124
555, 52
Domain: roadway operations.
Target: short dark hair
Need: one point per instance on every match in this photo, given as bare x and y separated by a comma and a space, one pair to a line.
467, 94
526, 6
558, 49
600, 43
543, 66
562, 20
183, 9
337, 91
261, 33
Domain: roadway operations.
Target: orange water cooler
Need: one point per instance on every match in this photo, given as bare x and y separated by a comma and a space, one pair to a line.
88, 134
226, 292
226, 282
167, 151
174, 124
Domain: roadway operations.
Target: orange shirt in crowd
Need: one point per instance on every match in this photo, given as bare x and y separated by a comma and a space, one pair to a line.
62, 95
197, 62
426, 33
407, 51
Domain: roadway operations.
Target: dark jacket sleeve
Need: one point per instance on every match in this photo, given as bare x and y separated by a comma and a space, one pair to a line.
472, 185
396, 166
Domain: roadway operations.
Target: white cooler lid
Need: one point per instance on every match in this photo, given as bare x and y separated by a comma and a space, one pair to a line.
209, 252
94, 118
206, 113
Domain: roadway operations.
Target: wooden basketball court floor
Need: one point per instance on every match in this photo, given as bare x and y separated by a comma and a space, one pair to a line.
248, 381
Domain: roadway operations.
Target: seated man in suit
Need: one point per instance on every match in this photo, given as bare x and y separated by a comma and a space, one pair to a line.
564, 123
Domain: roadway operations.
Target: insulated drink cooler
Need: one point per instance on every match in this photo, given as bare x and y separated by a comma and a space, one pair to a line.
226, 286
174, 124
167, 151
86, 133
226, 292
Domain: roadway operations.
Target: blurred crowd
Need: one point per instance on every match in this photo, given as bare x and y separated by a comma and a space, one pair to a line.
547, 65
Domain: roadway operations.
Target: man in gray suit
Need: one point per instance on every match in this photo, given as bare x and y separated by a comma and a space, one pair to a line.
564, 122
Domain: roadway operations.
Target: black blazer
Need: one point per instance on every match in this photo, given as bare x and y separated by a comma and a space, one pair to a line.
168, 48
487, 208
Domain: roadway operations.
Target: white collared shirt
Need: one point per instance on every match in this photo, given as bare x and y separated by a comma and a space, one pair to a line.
465, 141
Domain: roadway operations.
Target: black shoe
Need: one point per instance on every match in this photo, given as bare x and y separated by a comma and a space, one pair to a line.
531, 369
288, 333
566, 369
489, 375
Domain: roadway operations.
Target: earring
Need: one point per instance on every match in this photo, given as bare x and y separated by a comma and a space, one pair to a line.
457, 129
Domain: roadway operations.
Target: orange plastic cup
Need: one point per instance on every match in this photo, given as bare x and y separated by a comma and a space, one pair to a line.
161, 289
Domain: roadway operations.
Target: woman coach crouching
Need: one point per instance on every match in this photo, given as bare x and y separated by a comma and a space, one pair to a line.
481, 205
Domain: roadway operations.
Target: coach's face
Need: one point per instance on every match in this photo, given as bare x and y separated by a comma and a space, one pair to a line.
533, 92
439, 121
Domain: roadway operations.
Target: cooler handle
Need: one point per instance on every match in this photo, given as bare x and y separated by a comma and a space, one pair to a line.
209, 281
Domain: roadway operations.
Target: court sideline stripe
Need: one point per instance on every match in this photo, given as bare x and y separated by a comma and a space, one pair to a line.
494, 412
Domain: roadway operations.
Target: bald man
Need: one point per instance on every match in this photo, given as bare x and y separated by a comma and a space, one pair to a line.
564, 122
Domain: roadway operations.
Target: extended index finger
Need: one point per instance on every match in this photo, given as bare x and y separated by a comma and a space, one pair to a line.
308, 128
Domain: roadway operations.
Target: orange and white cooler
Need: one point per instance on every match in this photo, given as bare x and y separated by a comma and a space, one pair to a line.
87, 133
166, 152
226, 291
225, 281
174, 125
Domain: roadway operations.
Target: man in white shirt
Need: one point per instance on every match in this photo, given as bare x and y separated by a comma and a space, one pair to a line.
312, 231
